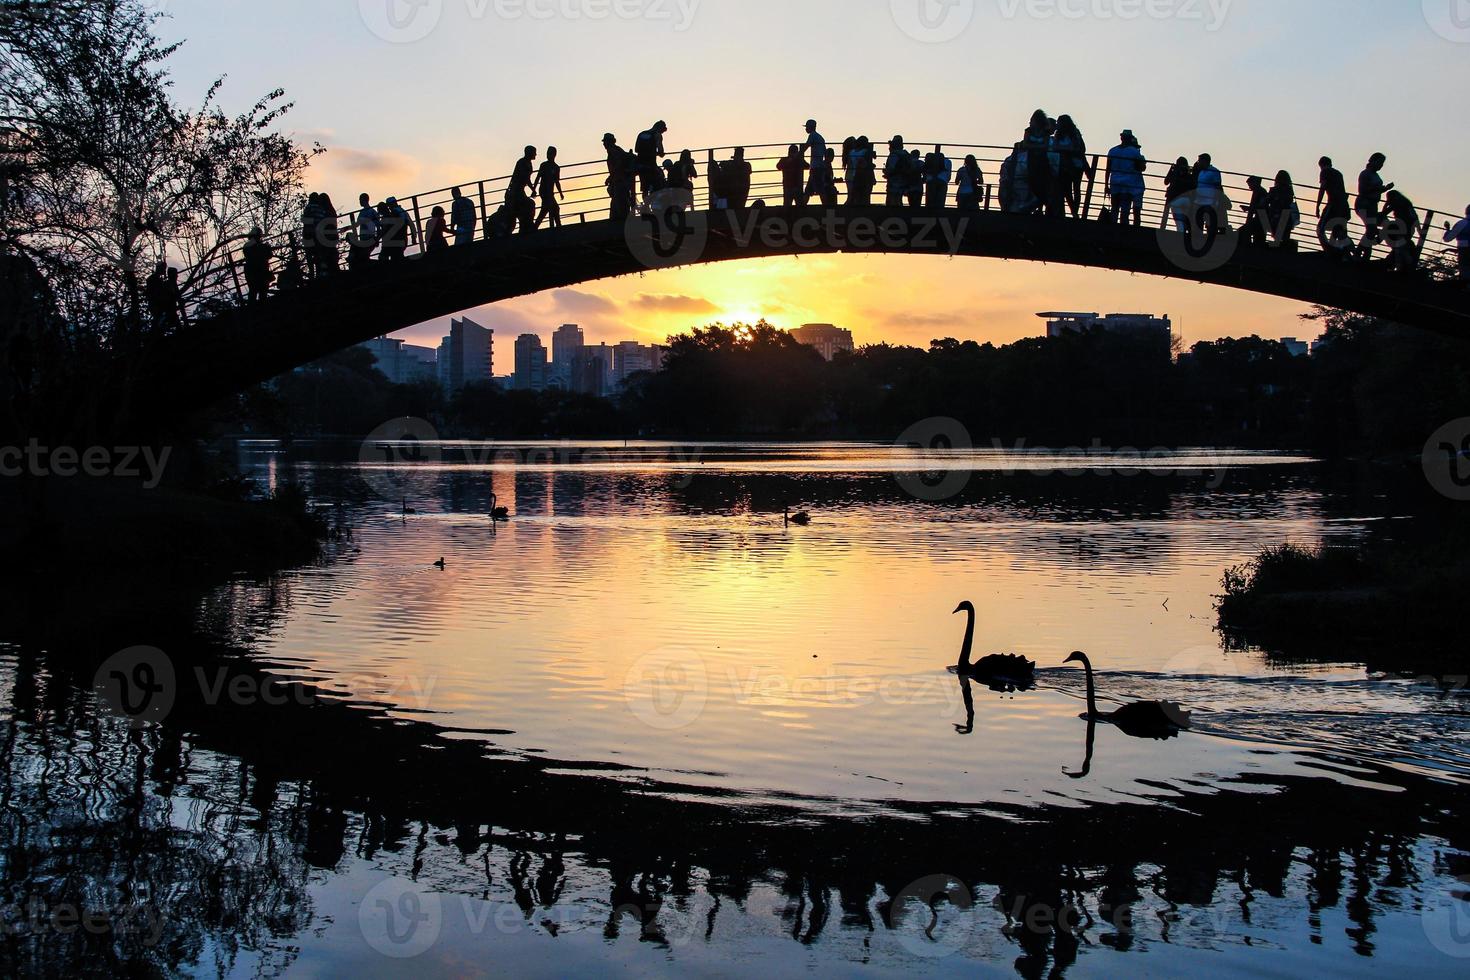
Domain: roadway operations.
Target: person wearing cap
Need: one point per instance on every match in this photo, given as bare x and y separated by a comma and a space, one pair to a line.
1460, 235
258, 274
1126, 167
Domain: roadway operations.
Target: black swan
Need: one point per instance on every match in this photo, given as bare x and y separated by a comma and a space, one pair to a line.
1005, 673
1141, 719
801, 519
498, 513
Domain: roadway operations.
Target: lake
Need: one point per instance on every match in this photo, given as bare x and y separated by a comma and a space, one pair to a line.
649, 725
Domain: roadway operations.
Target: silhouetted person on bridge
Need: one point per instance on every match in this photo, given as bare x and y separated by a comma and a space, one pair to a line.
292, 274
398, 231
312, 217
737, 176
621, 166
1126, 166
1281, 208
1036, 145
895, 172
463, 218
161, 293
969, 185
824, 180
815, 149
1332, 223
548, 183
1401, 226
518, 191
793, 169
1178, 191
648, 149
367, 228
862, 173
682, 174
258, 273
937, 172
1070, 151
329, 237
435, 235
1369, 205
1209, 190
1460, 235
1256, 229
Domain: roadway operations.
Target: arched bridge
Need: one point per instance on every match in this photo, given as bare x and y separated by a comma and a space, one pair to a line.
228, 344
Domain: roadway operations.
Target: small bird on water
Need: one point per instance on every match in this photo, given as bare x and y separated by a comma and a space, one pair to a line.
441, 564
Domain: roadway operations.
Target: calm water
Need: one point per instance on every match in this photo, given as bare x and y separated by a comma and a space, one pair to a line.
647, 724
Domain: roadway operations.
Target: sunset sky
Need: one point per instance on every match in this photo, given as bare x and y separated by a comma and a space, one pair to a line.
444, 91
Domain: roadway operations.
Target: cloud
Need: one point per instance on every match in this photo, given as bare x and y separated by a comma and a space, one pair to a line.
576, 301
666, 303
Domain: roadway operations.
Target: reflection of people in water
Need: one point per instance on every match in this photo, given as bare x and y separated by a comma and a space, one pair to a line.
969, 726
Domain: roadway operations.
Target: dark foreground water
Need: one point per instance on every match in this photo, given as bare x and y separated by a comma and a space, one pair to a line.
646, 726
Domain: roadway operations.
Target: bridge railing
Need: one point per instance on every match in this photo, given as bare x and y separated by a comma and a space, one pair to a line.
212, 288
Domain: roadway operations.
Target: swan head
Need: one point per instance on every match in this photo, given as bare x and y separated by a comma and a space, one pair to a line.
1077, 658
965, 607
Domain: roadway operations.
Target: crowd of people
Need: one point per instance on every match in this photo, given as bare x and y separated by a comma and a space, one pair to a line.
1048, 172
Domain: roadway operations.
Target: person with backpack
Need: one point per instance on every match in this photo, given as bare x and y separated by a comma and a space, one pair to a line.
462, 218
1178, 190
398, 231
969, 185
937, 171
518, 191
649, 149
367, 228
1124, 184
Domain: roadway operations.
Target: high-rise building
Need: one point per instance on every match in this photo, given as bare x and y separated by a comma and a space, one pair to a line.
467, 355
592, 371
530, 363
566, 343
631, 357
402, 363
826, 338
1296, 348
1139, 324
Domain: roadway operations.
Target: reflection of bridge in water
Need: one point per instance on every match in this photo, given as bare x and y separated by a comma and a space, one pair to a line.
247, 344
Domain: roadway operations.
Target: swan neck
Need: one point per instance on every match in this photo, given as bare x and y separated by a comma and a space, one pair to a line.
1091, 690
969, 640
